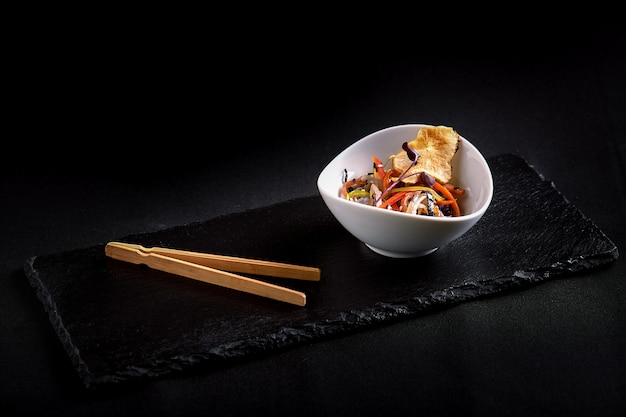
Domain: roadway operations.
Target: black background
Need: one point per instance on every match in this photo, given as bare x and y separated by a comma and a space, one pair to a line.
117, 131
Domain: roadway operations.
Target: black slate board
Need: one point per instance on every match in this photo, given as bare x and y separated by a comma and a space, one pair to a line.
121, 322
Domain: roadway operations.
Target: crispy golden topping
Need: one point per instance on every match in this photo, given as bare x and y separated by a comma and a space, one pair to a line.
436, 146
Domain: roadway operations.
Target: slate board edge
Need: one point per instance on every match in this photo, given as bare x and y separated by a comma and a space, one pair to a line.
345, 322
57, 322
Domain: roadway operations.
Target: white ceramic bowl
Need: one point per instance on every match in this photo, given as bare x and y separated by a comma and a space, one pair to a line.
397, 234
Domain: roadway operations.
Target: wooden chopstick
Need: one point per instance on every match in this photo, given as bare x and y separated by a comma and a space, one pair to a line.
235, 264
134, 254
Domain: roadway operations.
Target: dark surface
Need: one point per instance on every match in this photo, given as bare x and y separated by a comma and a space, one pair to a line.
115, 319
84, 169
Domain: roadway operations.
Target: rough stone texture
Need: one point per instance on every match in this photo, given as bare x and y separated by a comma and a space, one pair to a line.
121, 322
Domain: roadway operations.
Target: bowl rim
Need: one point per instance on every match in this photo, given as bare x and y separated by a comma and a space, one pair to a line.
462, 218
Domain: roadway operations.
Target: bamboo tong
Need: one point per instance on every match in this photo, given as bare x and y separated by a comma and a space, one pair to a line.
213, 269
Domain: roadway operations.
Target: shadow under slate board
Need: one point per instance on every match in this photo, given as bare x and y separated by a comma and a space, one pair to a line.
121, 322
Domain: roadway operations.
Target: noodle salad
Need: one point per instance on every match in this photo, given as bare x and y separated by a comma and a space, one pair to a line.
416, 193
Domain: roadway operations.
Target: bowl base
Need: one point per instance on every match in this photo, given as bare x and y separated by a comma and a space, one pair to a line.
391, 254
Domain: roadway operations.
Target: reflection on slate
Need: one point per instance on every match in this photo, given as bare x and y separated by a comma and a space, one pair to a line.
123, 322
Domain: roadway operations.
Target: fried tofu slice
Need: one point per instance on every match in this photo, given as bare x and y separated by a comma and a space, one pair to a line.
436, 146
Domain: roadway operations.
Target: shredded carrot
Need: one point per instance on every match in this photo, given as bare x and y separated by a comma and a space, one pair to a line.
346, 185
387, 178
448, 196
454, 189
393, 199
378, 167
408, 188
